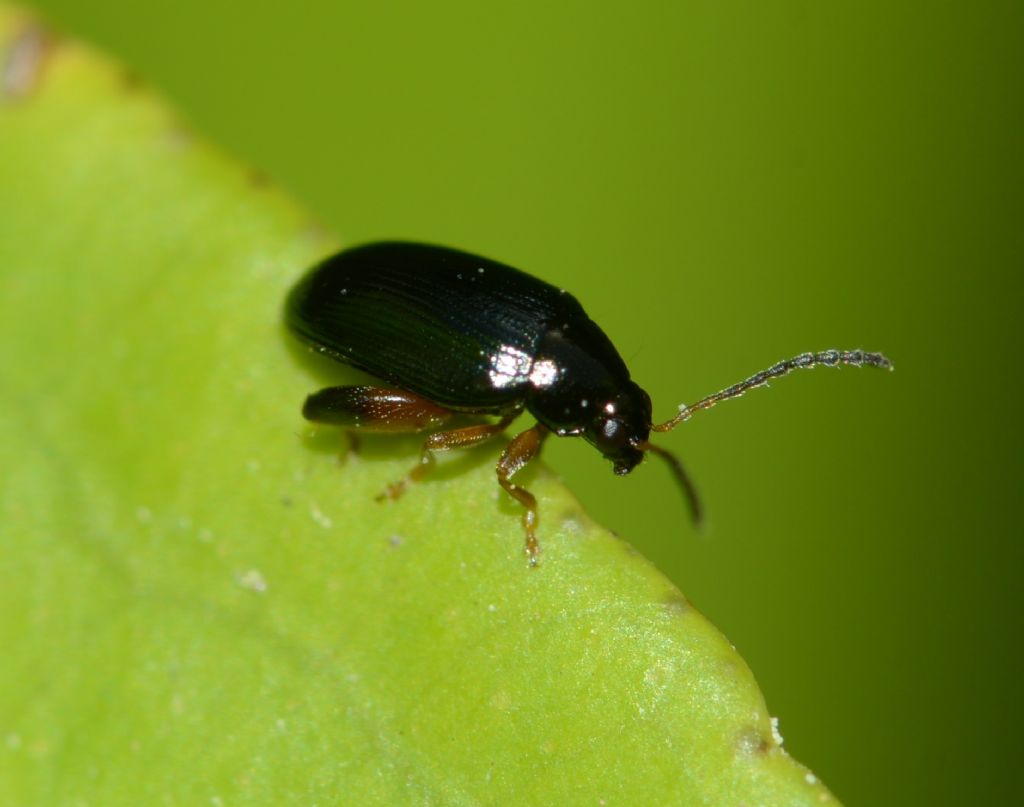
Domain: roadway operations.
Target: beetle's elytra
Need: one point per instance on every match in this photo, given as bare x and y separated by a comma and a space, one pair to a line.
449, 332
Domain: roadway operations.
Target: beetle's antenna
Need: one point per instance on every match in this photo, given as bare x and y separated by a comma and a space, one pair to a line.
689, 489
805, 361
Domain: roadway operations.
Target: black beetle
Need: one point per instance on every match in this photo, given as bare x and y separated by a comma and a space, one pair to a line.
455, 333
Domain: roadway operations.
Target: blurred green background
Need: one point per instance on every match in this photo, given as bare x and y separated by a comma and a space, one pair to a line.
722, 185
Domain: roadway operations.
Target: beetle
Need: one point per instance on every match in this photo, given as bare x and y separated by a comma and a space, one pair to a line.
451, 333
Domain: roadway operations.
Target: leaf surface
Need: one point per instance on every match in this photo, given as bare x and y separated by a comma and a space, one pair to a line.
200, 600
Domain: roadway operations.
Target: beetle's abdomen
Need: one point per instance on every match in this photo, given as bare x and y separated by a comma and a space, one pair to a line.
453, 327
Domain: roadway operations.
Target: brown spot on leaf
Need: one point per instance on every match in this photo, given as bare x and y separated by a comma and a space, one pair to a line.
676, 604
258, 178
131, 80
751, 742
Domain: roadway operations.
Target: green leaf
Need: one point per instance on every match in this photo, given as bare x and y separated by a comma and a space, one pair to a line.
200, 600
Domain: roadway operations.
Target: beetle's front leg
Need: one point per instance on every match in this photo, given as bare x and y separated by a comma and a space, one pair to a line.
523, 448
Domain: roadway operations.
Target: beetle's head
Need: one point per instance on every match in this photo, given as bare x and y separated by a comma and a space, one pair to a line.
621, 425
621, 430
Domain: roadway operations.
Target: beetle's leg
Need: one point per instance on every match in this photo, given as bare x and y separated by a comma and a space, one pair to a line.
443, 441
374, 409
523, 448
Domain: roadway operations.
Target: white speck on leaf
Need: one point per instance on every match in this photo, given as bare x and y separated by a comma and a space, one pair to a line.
253, 580
320, 517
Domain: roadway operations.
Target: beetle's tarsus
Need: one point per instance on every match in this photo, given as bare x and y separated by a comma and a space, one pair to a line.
532, 548
394, 491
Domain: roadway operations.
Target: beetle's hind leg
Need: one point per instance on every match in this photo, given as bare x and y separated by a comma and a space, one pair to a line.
523, 448
374, 409
377, 409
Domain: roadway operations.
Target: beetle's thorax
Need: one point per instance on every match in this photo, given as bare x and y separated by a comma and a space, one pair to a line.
589, 393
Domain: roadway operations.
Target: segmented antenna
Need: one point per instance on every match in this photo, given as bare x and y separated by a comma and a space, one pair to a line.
805, 361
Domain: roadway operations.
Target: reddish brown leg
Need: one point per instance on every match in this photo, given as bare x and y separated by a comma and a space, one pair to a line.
443, 441
523, 448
